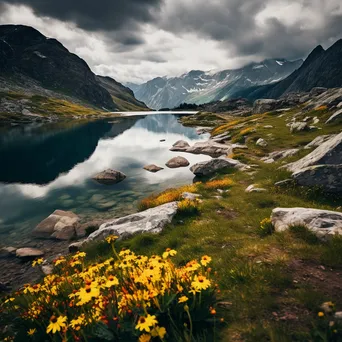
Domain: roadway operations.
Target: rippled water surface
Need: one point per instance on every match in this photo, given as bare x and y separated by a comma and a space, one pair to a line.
47, 167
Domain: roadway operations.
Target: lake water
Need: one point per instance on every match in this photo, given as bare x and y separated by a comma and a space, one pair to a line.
44, 167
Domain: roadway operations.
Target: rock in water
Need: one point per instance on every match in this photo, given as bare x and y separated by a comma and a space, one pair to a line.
209, 167
180, 145
153, 168
328, 177
323, 223
329, 152
28, 252
60, 225
109, 177
149, 221
177, 162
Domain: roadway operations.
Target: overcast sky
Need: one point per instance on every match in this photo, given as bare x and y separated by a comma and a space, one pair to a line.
136, 40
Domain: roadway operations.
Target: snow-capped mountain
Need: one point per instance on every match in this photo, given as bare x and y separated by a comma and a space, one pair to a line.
201, 87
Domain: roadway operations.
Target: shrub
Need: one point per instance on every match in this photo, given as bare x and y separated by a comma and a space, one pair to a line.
127, 297
219, 184
266, 227
188, 207
169, 195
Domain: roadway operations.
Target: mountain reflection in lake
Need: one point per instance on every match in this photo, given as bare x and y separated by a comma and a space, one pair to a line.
49, 167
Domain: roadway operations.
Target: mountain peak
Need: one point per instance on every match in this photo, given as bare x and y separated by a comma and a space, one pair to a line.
315, 53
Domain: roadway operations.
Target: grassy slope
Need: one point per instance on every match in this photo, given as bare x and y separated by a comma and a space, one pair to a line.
273, 285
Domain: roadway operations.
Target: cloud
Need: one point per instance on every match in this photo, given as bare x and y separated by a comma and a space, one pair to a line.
136, 40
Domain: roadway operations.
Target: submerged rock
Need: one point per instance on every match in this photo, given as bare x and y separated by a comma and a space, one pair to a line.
323, 223
209, 167
153, 168
177, 162
109, 177
149, 221
28, 252
60, 225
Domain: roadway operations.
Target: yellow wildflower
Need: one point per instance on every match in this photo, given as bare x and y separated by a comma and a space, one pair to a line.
183, 299
78, 322
60, 261
111, 281
9, 300
31, 332
145, 338
159, 332
200, 283
86, 294
169, 252
37, 262
111, 238
205, 260
146, 323
320, 314
56, 324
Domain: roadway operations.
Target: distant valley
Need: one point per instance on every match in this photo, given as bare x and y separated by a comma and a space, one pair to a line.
201, 87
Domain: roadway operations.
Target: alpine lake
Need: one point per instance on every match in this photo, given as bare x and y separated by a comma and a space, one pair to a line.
49, 166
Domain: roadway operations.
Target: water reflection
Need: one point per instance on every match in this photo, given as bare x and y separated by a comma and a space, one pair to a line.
22, 206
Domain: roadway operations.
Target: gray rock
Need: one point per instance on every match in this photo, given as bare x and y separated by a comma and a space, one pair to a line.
298, 126
284, 183
323, 223
109, 177
180, 146
190, 196
28, 252
329, 152
261, 142
47, 269
177, 162
153, 168
317, 91
76, 246
318, 141
85, 228
336, 117
254, 188
278, 155
210, 148
221, 138
60, 225
149, 221
265, 105
268, 126
209, 167
327, 177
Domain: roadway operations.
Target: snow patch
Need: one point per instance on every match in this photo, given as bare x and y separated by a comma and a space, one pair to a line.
280, 63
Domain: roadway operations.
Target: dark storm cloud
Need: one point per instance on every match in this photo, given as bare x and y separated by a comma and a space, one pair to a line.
234, 23
95, 15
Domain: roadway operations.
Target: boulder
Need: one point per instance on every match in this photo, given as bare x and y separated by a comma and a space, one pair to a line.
190, 195
329, 152
153, 168
317, 91
323, 223
261, 142
28, 252
177, 162
60, 225
7, 252
327, 177
180, 146
209, 167
298, 126
254, 188
319, 141
86, 228
210, 148
149, 221
336, 117
265, 105
109, 177
278, 155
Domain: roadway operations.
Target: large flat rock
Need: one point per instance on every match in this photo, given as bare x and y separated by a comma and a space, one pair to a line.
323, 223
214, 165
330, 152
149, 221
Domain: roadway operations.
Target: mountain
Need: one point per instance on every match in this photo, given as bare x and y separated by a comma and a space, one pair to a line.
121, 95
322, 68
33, 64
201, 87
